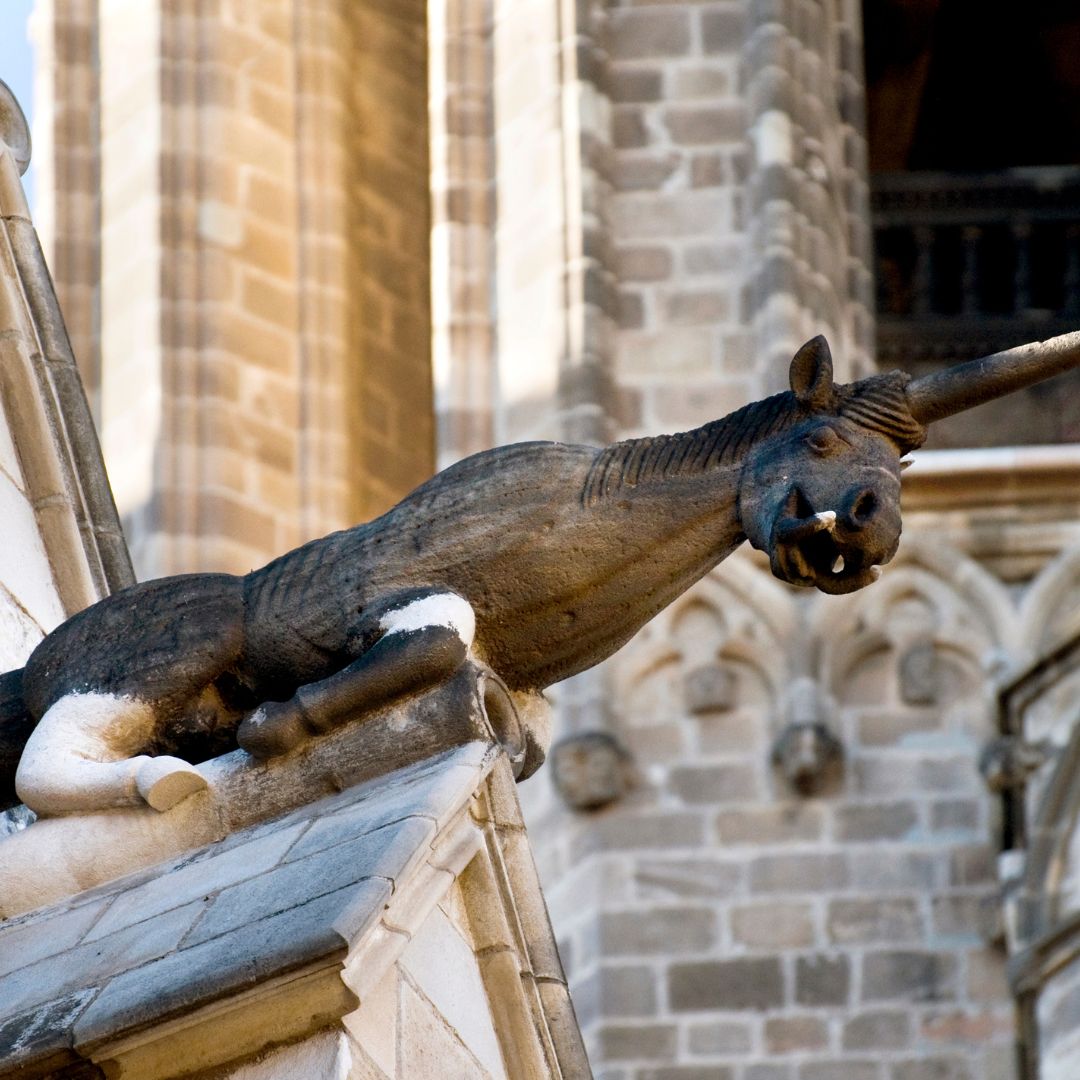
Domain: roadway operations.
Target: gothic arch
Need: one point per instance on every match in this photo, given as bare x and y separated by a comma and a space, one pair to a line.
1050, 610
737, 618
931, 595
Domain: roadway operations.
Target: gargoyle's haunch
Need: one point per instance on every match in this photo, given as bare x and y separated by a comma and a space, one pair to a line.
540, 559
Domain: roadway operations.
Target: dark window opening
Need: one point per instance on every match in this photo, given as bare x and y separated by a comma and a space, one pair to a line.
974, 141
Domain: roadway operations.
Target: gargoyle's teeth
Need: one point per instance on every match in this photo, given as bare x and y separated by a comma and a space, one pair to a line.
905, 462
875, 572
827, 519
838, 565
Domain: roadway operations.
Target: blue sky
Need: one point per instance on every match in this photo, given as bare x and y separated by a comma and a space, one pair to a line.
17, 60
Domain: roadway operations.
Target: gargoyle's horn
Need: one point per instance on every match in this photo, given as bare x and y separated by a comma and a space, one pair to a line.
957, 388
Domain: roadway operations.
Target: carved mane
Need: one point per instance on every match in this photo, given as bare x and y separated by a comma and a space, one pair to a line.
877, 403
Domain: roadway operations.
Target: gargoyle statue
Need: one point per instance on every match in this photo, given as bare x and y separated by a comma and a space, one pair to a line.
538, 559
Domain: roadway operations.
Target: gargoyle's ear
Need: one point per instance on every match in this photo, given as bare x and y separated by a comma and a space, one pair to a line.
811, 374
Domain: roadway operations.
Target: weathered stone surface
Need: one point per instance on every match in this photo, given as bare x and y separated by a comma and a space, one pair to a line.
134, 954
822, 980
918, 976
725, 984
773, 925
671, 931
885, 920
795, 1034
882, 1030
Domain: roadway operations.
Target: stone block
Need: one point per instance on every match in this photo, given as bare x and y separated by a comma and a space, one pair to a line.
643, 172
657, 931
798, 873
726, 985
955, 815
822, 980
383, 854
621, 990
704, 784
841, 1069
634, 84
643, 264
883, 775
768, 1072
664, 879
986, 980
199, 877
892, 727
707, 81
96, 961
696, 308
428, 1048
662, 830
875, 821
705, 124
687, 1072
631, 1042
953, 1067
887, 871
795, 1034
237, 960
974, 917
965, 1027
787, 823
670, 215
773, 926
972, 865
720, 1037
695, 403
880, 1030
723, 27
628, 127
643, 35
864, 921
714, 257
33, 939
908, 975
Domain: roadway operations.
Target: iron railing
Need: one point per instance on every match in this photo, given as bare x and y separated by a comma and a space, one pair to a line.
967, 264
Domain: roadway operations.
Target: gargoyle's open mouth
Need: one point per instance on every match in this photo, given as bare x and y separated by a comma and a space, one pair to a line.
809, 549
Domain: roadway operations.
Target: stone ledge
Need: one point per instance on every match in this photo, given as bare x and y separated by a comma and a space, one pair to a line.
259, 949
59, 857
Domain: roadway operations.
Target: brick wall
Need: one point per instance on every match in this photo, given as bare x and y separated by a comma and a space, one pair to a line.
263, 307
388, 235
717, 924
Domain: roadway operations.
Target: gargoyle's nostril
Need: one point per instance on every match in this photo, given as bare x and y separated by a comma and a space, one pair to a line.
863, 508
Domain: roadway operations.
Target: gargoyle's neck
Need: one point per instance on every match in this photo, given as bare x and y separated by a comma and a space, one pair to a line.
725, 442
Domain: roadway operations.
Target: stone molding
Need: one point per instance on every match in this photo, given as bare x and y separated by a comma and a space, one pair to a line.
47, 407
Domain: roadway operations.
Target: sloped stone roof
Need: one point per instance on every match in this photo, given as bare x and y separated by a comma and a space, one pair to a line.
282, 896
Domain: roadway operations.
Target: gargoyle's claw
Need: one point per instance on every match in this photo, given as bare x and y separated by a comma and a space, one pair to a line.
274, 728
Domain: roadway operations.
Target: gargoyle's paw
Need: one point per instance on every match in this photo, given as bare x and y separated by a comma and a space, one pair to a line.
274, 728
165, 781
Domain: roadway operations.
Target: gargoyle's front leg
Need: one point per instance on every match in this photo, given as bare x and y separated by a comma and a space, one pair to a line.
424, 641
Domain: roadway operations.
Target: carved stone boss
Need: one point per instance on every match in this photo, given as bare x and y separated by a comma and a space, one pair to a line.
536, 560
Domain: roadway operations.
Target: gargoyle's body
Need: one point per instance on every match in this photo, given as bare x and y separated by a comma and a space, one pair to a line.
555, 585
539, 559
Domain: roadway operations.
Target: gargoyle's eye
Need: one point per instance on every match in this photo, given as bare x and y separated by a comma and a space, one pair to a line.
821, 440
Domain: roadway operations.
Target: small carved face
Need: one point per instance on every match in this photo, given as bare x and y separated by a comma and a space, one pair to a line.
822, 499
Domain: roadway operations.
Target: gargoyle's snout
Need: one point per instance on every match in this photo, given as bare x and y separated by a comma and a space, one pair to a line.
835, 550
